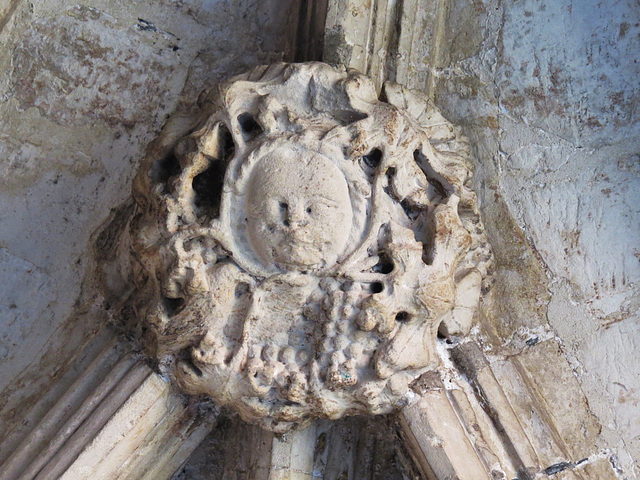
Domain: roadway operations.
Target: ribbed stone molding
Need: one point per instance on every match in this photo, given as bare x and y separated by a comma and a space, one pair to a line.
118, 420
397, 41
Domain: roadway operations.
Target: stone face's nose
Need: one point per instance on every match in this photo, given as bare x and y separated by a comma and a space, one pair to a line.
295, 214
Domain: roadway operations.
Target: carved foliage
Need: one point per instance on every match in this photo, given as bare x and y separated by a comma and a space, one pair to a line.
299, 242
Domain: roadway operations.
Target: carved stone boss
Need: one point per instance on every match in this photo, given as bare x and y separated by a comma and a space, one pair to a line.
298, 244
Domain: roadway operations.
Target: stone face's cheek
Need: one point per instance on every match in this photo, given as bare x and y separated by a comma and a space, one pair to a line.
264, 228
272, 211
333, 227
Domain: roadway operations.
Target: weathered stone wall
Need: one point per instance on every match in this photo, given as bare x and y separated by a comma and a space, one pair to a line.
548, 93
84, 87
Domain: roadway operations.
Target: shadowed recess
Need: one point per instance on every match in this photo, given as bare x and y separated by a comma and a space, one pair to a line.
208, 184
373, 158
249, 126
385, 264
166, 168
442, 187
173, 306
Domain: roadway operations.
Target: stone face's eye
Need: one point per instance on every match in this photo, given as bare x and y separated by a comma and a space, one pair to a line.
284, 206
308, 209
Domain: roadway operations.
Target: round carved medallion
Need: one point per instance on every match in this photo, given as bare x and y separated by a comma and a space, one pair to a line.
299, 242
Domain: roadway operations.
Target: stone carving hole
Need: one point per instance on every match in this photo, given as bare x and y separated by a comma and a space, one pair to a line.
298, 262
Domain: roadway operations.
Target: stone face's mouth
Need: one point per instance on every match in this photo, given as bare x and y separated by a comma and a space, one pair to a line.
299, 254
298, 234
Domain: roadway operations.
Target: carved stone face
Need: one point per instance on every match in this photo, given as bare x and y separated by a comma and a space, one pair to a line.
298, 210
299, 264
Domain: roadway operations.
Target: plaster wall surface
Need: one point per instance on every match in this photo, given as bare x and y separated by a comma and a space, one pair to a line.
84, 87
548, 93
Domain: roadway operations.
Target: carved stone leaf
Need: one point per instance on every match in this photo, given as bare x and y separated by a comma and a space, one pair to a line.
299, 243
